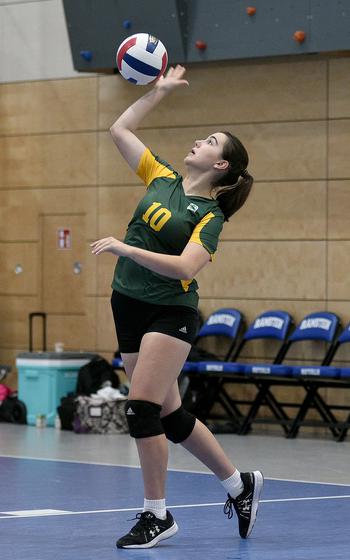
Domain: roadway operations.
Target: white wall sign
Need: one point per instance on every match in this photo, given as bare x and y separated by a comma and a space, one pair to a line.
64, 238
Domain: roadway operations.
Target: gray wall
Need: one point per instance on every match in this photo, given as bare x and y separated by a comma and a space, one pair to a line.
222, 24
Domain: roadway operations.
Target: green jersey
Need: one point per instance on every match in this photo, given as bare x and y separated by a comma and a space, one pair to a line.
165, 220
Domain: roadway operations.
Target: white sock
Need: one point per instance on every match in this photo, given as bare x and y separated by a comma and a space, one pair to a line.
233, 484
155, 506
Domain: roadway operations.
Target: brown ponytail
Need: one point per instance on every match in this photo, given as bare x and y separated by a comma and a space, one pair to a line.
237, 182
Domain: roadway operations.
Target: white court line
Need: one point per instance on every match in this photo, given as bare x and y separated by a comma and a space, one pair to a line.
190, 471
51, 513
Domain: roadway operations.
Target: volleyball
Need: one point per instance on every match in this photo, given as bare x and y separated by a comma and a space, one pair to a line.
141, 58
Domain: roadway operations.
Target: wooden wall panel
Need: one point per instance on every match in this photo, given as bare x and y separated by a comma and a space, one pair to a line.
116, 208
338, 209
113, 170
279, 151
228, 92
26, 255
339, 161
106, 336
285, 270
105, 269
338, 269
77, 332
48, 160
20, 210
89, 270
18, 223
48, 106
288, 210
14, 312
285, 151
339, 87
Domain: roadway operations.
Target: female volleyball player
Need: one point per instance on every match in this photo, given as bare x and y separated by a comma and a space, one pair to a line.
172, 236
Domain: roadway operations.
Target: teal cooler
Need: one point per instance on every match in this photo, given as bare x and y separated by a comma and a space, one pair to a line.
44, 378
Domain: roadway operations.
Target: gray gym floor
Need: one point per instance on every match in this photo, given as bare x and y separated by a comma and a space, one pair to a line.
316, 459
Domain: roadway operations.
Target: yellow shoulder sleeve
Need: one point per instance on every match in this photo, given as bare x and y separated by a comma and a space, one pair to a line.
149, 168
196, 238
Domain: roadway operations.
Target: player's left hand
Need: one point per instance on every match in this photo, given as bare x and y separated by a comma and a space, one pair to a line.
109, 245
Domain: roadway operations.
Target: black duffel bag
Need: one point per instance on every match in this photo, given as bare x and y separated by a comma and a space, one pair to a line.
13, 410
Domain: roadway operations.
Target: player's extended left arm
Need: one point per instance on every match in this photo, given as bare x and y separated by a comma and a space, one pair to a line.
181, 267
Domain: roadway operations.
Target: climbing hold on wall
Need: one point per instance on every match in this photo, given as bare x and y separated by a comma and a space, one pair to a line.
250, 10
87, 55
127, 24
299, 36
201, 45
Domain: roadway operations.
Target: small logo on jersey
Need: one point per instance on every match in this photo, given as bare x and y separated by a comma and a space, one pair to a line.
130, 412
192, 207
183, 329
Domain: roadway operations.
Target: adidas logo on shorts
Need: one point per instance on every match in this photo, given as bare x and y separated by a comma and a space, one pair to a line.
183, 329
130, 412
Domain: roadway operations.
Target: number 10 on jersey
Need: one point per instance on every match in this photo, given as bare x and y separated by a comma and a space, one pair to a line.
156, 218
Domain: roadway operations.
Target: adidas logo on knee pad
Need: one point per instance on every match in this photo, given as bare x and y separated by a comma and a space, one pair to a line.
143, 418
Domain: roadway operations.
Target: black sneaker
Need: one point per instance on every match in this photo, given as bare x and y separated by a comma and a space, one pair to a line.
148, 531
246, 504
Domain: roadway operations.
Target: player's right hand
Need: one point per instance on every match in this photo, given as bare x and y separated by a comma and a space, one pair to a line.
172, 79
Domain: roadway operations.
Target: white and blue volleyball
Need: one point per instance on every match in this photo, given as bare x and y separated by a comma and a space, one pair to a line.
142, 58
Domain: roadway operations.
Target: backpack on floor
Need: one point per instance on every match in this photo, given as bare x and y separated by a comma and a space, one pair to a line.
13, 410
94, 375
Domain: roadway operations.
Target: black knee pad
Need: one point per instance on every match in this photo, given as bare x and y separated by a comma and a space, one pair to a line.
143, 418
178, 425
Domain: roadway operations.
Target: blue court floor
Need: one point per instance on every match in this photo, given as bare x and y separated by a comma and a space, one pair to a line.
69, 510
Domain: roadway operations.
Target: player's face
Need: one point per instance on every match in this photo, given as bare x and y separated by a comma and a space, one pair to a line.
206, 153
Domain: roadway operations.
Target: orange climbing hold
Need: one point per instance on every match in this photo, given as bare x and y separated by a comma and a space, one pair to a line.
299, 36
250, 10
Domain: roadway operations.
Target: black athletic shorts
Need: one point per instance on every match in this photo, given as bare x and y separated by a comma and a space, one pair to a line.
133, 318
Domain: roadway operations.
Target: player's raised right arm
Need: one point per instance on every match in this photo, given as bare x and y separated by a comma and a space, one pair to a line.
122, 131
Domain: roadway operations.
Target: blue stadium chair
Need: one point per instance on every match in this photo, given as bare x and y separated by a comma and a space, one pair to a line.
320, 327
226, 323
274, 324
343, 372
117, 363
270, 325
344, 375
325, 376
